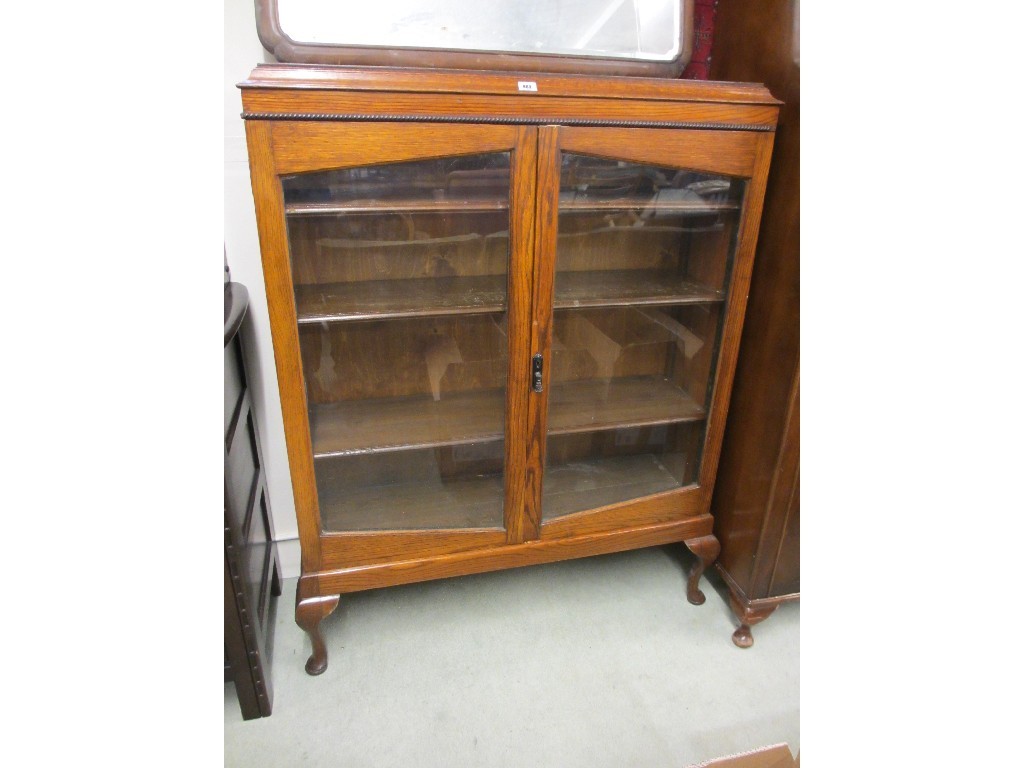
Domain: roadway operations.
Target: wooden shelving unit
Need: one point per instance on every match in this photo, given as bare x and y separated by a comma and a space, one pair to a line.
505, 324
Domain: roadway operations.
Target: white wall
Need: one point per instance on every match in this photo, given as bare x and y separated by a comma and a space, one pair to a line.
242, 51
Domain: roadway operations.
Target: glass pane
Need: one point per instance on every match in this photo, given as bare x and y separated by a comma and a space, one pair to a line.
400, 277
642, 266
648, 30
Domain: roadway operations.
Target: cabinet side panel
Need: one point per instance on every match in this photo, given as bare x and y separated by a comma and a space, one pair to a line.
781, 501
237, 652
283, 325
770, 345
786, 574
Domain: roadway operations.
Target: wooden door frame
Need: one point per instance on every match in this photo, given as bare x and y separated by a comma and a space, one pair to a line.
742, 154
282, 147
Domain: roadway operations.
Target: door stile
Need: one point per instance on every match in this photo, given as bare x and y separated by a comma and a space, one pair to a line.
518, 527
270, 219
743, 265
548, 180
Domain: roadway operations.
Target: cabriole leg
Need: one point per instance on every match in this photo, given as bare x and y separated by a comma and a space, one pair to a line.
748, 616
309, 612
706, 548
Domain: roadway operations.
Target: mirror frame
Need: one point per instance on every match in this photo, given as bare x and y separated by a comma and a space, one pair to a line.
268, 27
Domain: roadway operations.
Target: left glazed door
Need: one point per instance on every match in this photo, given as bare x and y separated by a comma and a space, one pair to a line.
406, 252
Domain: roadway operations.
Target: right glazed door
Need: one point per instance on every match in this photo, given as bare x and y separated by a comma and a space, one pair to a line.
637, 239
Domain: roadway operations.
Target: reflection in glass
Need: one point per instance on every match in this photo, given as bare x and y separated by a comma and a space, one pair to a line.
648, 30
400, 276
642, 264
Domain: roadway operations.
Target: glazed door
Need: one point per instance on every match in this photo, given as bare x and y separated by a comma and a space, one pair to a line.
638, 239
408, 261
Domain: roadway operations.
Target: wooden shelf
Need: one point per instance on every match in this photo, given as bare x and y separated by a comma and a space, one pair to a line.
577, 203
424, 205
597, 482
382, 299
389, 424
431, 297
636, 401
570, 203
474, 502
622, 287
370, 426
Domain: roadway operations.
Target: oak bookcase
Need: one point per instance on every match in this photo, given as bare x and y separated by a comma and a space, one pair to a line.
505, 317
